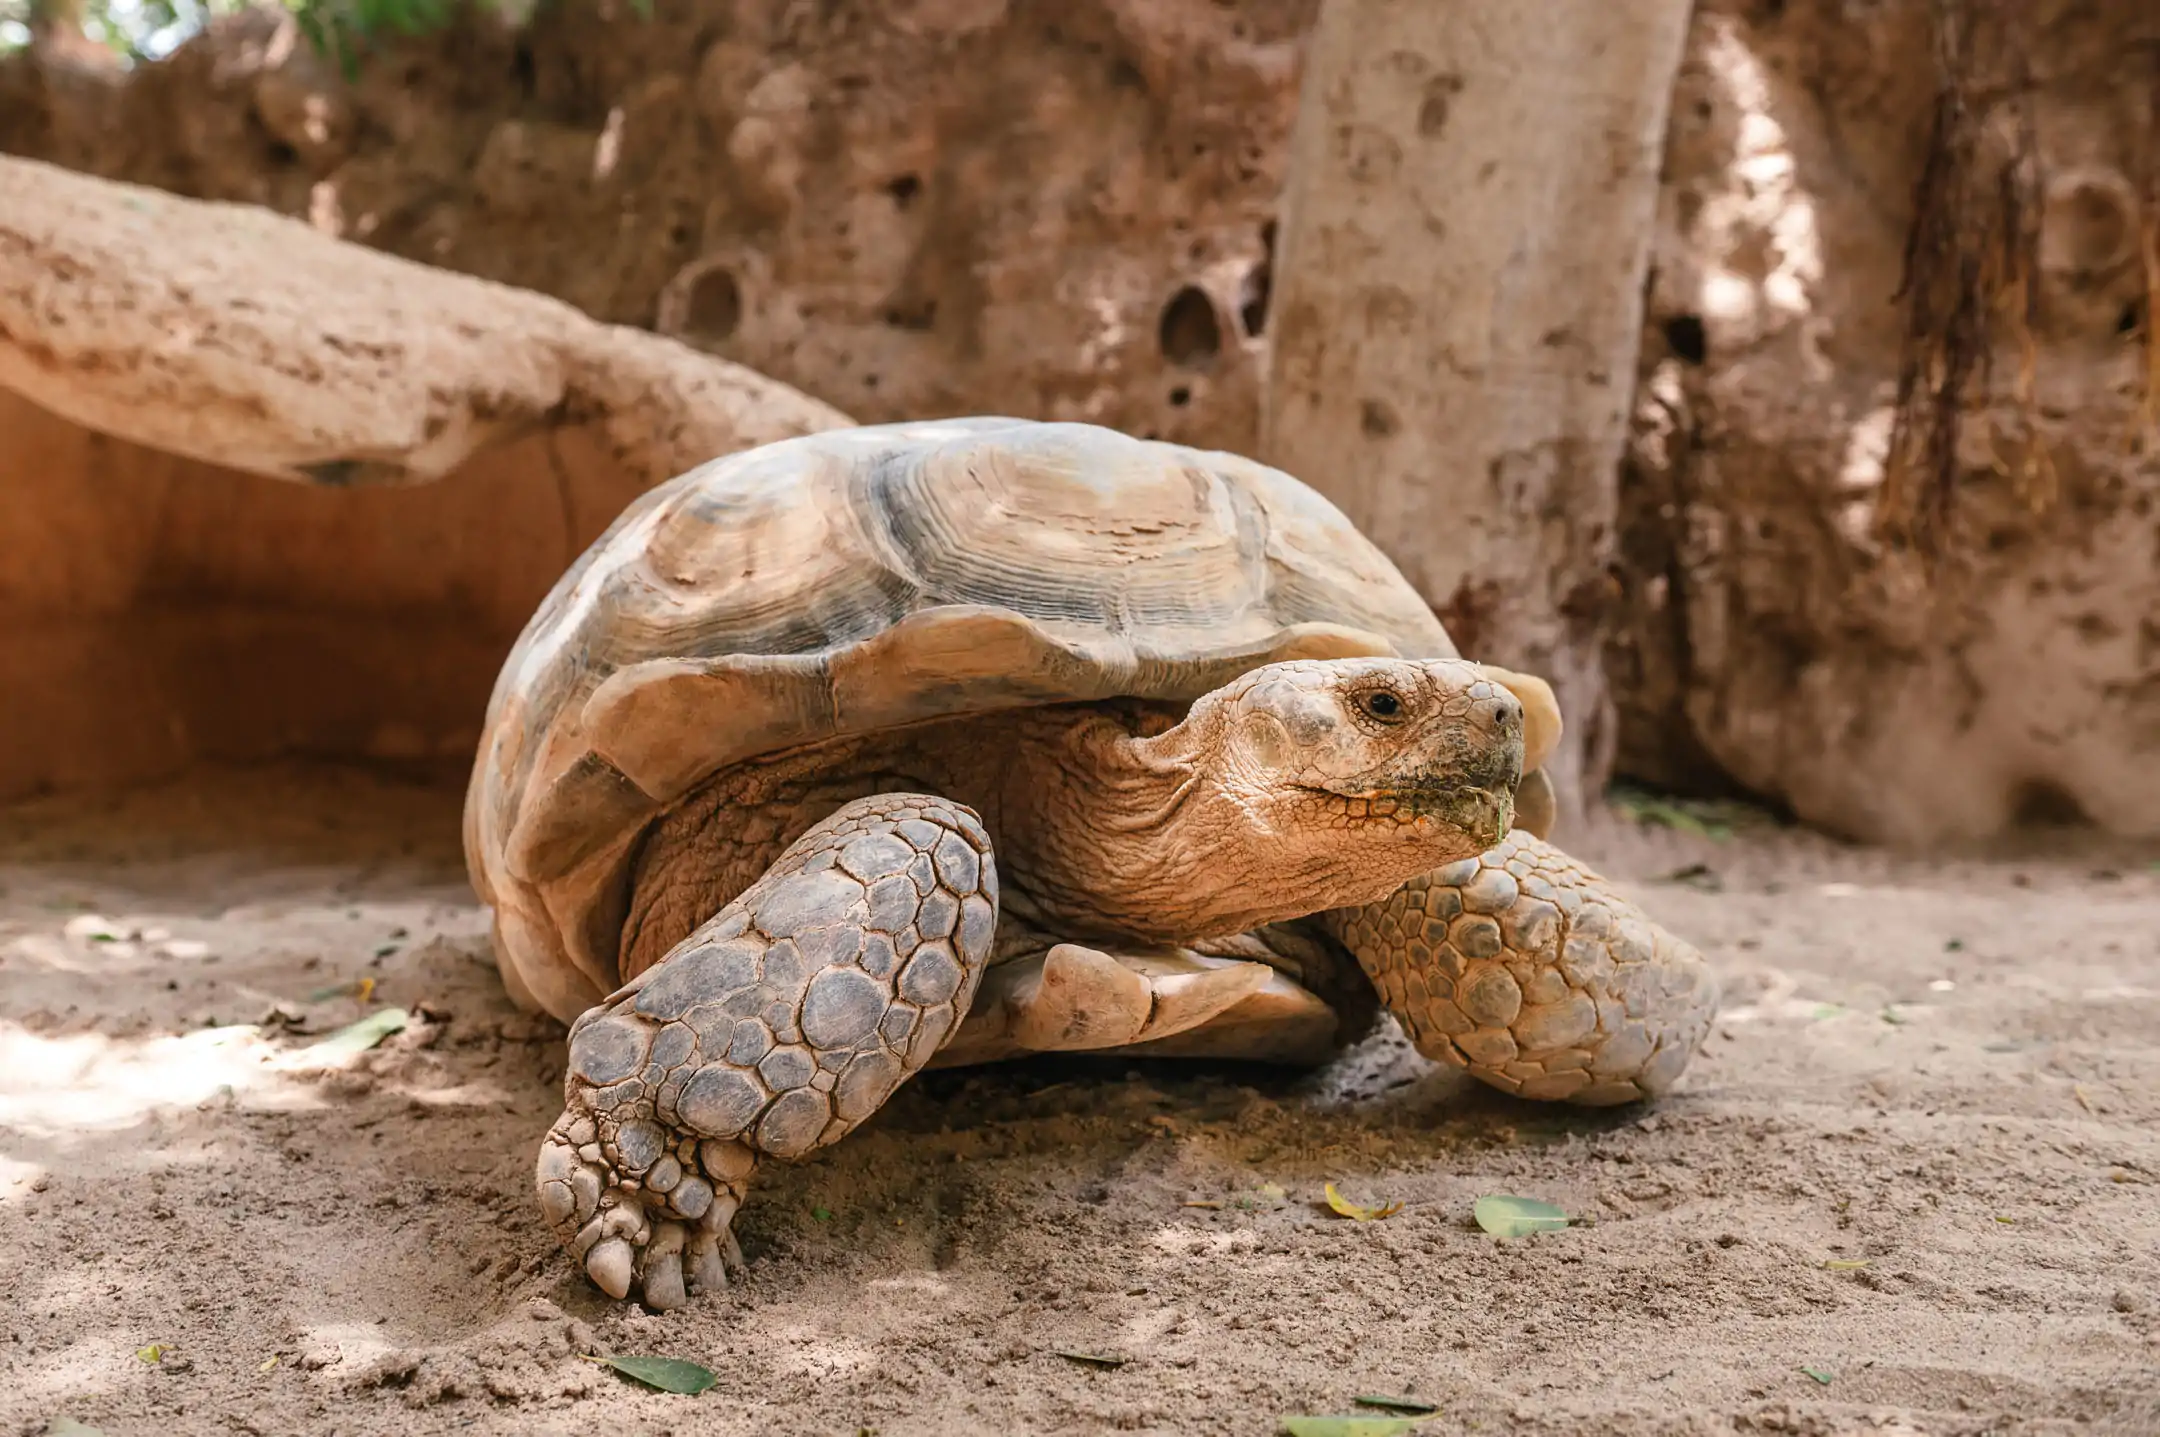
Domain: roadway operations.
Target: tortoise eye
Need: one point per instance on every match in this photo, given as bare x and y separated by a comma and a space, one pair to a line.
1382, 704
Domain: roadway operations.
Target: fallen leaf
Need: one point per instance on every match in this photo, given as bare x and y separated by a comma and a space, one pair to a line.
821, 1214
1891, 1015
1353, 1211
267, 1364
669, 1374
384, 950
1092, 1359
2084, 1098
361, 988
1399, 1404
1351, 1426
155, 1352
1196, 1202
2006, 1221
1827, 1010
1820, 1374
353, 1039
1846, 1264
1504, 1216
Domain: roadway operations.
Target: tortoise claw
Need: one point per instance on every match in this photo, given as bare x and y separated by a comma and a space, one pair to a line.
609, 1265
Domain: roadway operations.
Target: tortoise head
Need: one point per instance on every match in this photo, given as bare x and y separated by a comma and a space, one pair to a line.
1316, 784
1356, 748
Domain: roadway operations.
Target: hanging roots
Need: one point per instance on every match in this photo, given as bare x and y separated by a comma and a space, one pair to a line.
1971, 253
2149, 237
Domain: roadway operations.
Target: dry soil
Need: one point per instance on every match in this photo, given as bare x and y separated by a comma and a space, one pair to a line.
1912, 1186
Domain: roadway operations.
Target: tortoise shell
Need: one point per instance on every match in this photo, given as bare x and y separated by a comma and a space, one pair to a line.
857, 579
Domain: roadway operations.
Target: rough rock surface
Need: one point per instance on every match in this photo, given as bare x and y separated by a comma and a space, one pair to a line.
966, 205
164, 600
908, 209
1766, 633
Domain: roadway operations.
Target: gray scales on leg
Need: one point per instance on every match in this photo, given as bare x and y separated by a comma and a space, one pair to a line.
774, 1029
1535, 975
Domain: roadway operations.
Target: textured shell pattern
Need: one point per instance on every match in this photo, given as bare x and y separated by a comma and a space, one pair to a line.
857, 579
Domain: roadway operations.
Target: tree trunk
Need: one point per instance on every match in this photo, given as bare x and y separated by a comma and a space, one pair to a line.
1459, 300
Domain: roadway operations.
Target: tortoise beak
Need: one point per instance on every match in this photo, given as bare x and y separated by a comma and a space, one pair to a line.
1476, 797
1484, 815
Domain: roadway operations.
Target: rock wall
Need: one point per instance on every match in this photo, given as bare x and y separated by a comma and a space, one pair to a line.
1767, 634
446, 447
1051, 209
1064, 211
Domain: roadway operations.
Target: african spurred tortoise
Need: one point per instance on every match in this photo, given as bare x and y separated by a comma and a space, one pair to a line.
933, 743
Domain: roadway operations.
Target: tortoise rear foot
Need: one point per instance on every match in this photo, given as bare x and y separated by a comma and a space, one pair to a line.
774, 1029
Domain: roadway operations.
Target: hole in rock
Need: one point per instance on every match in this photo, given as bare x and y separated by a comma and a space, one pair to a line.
1259, 283
715, 308
1189, 333
2044, 803
1685, 334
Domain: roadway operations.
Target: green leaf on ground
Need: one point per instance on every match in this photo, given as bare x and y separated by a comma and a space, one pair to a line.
1093, 1359
669, 1374
1517, 1216
354, 1038
1820, 1374
1399, 1404
821, 1214
1846, 1264
1348, 1426
155, 1352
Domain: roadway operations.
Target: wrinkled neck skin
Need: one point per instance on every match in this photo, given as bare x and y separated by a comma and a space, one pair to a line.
1165, 838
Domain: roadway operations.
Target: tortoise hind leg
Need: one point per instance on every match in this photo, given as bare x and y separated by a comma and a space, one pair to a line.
1536, 976
782, 1022
1145, 1001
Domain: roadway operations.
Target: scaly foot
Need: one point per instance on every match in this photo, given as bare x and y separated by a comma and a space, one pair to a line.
774, 1029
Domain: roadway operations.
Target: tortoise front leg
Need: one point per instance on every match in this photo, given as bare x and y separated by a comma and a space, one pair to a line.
772, 1030
1528, 970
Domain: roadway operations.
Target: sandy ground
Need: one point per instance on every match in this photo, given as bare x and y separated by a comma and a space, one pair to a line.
1944, 1070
